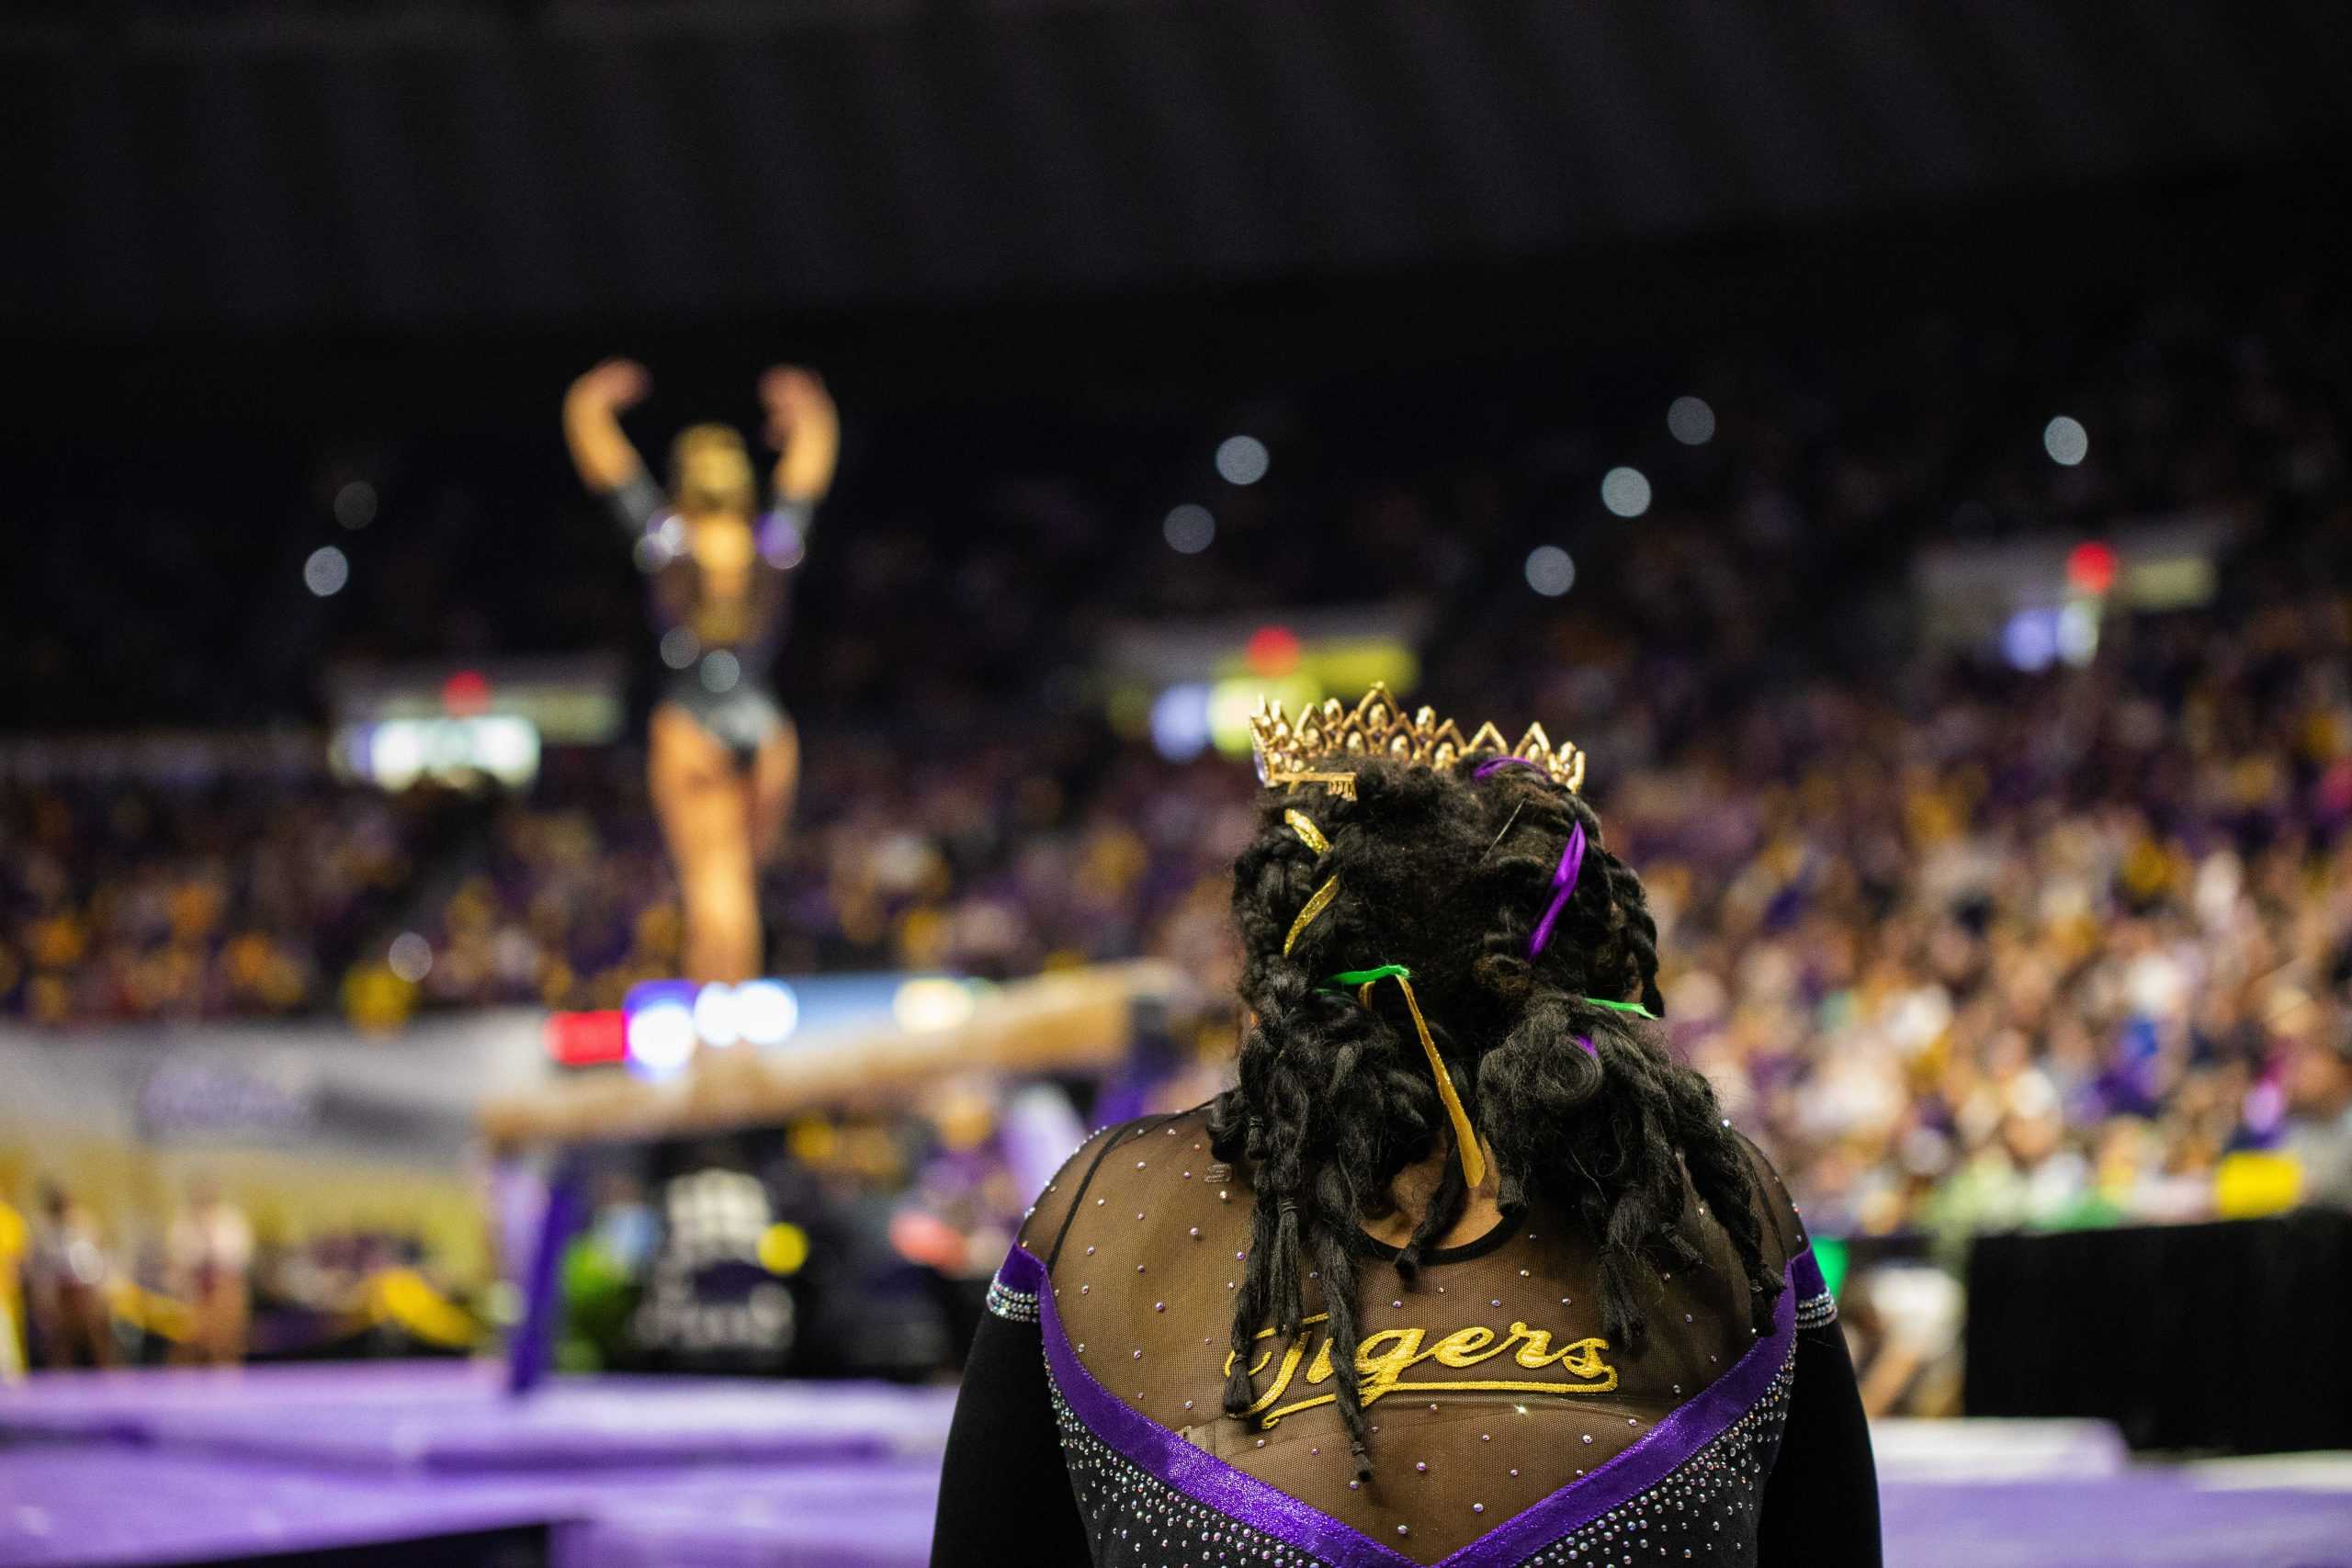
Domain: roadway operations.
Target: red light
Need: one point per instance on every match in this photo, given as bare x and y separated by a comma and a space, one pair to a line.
587, 1039
1273, 650
466, 693
2090, 566
920, 1237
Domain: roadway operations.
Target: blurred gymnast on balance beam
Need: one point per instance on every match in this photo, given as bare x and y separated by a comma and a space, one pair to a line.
723, 755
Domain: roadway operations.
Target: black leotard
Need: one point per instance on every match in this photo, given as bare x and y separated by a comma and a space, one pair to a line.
719, 676
1506, 1429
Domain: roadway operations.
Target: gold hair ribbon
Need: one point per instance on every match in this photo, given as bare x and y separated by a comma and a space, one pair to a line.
1308, 833
1465, 1137
1312, 837
1315, 905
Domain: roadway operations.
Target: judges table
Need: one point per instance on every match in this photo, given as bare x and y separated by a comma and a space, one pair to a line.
2225, 1337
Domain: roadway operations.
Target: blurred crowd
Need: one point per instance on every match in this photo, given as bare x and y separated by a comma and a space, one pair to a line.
1967, 944
194, 1283
2037, 953
139, 903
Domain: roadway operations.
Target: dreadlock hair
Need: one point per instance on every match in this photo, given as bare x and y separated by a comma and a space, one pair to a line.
1448, 875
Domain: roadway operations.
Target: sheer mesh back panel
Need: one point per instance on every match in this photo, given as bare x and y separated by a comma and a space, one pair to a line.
1489, 1384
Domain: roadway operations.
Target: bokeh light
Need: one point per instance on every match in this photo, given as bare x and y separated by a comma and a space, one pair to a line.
1272, 650
411, 957
783, 1247
660, 1038
1625, 491
720, 670
326, 571
466, 693
717, 1021
355, 504
767, 1011
680, 647
1550, 570
1179, 721
2077, 632
2067, 440
1242, 459
1189, 529
923, 1005
2030, 640
1690, 421
2090, 566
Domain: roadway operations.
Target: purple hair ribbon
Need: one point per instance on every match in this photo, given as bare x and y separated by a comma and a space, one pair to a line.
1494, 764
1590, 1049
1563, 883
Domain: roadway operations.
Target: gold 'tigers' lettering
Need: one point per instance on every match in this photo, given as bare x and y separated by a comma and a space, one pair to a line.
1384, 1356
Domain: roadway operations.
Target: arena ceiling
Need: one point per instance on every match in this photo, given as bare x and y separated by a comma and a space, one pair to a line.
204, 165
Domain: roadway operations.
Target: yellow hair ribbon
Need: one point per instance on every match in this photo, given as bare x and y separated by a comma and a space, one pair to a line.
1307, 832
1315, 905
1465, 1137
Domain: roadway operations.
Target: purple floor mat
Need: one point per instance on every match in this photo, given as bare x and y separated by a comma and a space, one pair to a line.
2138, 1520
129, 1403
147, 1468
875, 1518
103, 1505
453, 1418
109, 1505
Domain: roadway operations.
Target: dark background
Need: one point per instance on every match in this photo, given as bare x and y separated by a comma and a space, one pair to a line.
1048, 253
320, 164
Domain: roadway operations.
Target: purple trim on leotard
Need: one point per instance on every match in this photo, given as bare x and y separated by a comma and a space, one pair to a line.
1805, 1277
1182, 1463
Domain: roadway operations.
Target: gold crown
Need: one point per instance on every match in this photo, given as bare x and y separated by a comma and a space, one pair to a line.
1287, 754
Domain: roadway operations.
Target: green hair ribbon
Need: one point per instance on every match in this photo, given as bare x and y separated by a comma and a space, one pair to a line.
1637, 1009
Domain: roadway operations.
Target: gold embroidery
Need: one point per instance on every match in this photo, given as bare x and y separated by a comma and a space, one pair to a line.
1380, 1370
1384, 1356
1536, 1353
1267, 1421
1282, 1380
1226, 1371
1459, 1349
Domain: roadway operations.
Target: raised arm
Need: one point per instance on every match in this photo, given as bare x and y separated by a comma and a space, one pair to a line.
591, 424
806, 430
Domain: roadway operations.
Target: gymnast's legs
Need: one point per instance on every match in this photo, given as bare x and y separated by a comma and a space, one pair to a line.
705, 802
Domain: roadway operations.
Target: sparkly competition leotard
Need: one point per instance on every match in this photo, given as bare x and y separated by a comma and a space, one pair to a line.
1505, 1430
716, 657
